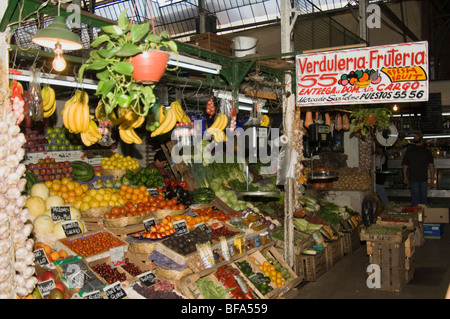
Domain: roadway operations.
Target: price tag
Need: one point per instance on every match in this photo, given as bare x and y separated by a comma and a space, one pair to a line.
45, 287
202, 226
71, 228
40, 258
256, 279
93, 295
147, 278
61, 213
153, 192
115, 291
148, 223
180, 227
117, 256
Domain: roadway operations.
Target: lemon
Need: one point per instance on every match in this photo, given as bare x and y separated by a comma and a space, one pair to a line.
84, 206
101, 191
92, 192
112, 203
104, 203
77, 204
107, 196
86, 198
94, 203
115, 197
98, 197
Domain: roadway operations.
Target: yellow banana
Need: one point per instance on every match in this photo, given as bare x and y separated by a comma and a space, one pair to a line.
85, 140
167, 125
52, 110
93, 129
175, 106
162, 117
84, 126
186, 119
224, 122
218, 123
138, 122
135, 137
48, 97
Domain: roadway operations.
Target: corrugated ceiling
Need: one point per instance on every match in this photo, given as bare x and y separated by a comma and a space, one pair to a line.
180, 17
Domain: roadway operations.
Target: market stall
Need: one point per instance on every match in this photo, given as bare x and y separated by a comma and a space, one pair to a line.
90, 218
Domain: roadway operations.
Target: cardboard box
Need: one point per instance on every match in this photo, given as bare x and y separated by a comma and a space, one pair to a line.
432, 230
436, 215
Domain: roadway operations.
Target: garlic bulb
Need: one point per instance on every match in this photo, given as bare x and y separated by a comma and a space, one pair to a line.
16, 248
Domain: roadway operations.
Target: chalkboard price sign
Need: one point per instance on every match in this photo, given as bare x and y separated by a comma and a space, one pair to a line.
147, 278
40, 258
180, 227
93, 295
202, 226
148, 223
60, 213
71, 228
45, 287
115, 291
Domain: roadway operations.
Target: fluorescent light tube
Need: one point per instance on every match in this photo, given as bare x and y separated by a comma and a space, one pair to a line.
249, 108
193, 64
428, 137
229, 96
50, 79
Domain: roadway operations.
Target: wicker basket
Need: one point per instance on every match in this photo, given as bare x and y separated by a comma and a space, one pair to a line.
115, 222
161, 213
143, 247
172, 274
95, 212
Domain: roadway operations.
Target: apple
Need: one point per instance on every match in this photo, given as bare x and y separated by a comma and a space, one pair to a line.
153, 236
40, 277
56, 294
48, 274
60, 286
57, 129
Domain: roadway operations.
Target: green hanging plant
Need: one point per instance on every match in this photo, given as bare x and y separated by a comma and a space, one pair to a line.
365, 121
111, 59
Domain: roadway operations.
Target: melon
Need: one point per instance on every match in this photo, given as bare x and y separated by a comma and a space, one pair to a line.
43, 224
41, 190
58, 230
36, 206
54, 200
75, 213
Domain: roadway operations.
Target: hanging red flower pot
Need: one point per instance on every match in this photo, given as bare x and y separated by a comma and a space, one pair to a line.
149, 66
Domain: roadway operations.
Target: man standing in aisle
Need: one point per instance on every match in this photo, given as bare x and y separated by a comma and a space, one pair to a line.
415, 164
380, 178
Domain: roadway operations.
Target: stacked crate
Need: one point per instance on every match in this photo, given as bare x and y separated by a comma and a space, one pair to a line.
393, 252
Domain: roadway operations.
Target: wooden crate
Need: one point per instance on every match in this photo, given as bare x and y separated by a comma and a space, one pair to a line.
212, 42
314, 265
299, 245
93, 223
388, 255
272, 252
419, 237
409, 245
132, 259
123, 232
398, 237
411, 221
334, 252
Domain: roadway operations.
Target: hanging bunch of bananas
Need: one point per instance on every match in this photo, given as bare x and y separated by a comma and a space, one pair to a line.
218, 127
168, 120
179, 112
48, 101
92, 135
76, 113
265, 121
127, 121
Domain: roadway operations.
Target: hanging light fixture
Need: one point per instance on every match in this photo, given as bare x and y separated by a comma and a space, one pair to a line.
59, 37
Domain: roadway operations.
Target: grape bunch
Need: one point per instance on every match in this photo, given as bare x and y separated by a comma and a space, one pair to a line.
109, 274
131, 268
162, 289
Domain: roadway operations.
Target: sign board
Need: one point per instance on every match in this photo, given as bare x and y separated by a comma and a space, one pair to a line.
382, 74
115, 291
60, 213
147, 278
40, 258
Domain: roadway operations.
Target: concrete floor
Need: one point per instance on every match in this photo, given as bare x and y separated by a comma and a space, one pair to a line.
347, 278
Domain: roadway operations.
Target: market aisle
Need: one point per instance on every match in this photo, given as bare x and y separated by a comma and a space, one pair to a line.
347, 279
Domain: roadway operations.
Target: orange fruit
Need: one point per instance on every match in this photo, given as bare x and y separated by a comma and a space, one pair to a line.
48, 184
64, 196
79, 190
70, 185
47, 249
54, 255
55, 187
65, 180
62, 253
85, 187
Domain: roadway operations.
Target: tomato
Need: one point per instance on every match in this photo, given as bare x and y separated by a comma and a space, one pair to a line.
115, 210
181, 207
107, 216
167, 181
